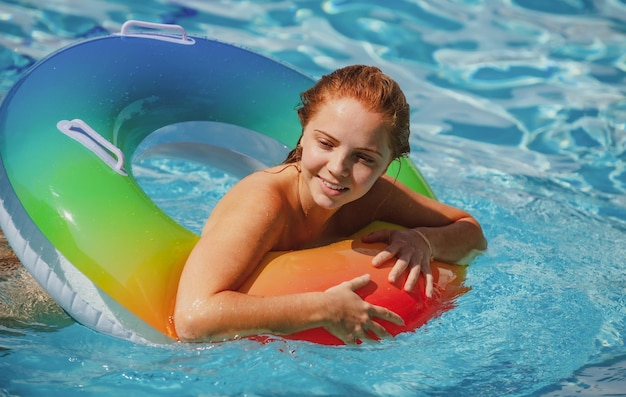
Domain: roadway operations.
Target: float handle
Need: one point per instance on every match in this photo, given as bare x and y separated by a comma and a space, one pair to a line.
151, 34
80, 131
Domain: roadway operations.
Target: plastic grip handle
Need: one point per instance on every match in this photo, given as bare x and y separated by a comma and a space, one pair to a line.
153, 27
80, 131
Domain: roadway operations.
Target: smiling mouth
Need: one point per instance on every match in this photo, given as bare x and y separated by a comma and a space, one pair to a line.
333, 186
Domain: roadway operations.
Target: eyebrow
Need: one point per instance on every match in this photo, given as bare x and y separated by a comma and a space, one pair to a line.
374, 151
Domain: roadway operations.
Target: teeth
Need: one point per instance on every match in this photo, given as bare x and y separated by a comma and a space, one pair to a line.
334, 187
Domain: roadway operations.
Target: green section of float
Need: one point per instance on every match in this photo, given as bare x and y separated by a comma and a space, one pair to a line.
125, 88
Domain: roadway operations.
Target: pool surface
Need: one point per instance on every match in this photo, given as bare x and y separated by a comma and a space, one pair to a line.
518, 116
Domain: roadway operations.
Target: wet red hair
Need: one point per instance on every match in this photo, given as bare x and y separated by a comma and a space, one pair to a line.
373, 89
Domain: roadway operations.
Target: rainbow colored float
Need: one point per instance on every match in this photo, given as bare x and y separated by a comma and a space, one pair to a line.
77, 219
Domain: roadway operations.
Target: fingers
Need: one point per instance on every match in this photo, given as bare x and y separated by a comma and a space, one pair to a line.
364, 336
359, 282
386, 314
392, 250
358, 323
379, 331
399, 267
382, 257
371, 330
378, 236
429, 285
413, 277
408, 256
382, 236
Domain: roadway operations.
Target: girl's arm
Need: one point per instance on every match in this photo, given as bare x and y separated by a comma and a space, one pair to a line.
435, 231
241, 230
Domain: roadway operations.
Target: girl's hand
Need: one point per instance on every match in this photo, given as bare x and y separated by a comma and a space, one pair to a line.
351, 318
411, 250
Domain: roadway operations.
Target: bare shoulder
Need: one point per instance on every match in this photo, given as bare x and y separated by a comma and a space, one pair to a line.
267, 185
259, 199
246, 223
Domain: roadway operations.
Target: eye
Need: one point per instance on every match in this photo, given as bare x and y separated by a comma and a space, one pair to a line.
325, 144
365, 159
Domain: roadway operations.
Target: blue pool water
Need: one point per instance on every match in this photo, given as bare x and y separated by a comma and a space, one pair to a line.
519, 116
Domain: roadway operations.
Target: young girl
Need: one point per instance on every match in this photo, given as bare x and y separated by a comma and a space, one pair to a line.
355, 123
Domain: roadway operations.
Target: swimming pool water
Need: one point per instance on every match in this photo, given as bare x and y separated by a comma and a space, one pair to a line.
519, 116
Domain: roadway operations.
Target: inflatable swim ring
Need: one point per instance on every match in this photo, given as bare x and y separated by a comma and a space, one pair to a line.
79, 222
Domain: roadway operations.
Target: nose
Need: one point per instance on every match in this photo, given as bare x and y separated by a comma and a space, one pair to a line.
339, 164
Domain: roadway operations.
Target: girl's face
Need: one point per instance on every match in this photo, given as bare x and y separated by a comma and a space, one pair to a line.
345, 149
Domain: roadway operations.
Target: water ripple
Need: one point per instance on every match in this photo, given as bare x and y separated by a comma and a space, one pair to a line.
518, 115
